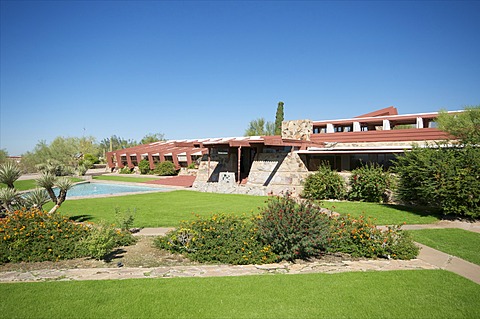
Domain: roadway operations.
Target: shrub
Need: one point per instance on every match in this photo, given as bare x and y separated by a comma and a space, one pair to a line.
324, 184
92, 159
219, 239
361, 238
124, 220
443, 177
165, 168
103, 238
125, 170
144, 166
34, 235
369, 183
294, 230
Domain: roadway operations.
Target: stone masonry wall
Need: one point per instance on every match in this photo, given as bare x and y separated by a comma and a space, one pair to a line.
271, 173
297, 130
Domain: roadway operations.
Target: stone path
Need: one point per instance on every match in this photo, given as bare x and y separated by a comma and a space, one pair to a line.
428, 258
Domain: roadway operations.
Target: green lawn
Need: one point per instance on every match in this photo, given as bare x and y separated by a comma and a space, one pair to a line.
161, 209
125, 179
168, 209
457, 242
27, 184
392, 294
384, 214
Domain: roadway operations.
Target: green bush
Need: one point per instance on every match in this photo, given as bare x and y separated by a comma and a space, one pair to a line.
324, 184
125, 170
369, 183
361, 238
218, 239
294, 230
92, 159
442, 177
144, 166
165, 168
34, 235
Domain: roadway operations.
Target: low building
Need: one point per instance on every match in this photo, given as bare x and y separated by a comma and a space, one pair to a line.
263, 165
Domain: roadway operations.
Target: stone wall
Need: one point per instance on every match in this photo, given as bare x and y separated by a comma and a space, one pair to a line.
297, 130
271, 173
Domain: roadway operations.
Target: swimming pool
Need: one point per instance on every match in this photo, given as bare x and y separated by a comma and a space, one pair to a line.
97, 189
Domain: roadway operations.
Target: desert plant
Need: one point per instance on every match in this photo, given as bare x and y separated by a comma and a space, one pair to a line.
369, 183
36, 198
324, 184
294, 230
9, 199
165, 168
220, 238
124, 220
9, 173
33, 235
125, 170
360, 237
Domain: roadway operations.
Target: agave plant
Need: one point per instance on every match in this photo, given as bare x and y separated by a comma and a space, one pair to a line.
36, 198
9, 198
9, 173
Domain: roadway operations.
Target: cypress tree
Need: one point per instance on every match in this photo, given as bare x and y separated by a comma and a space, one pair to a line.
279, 119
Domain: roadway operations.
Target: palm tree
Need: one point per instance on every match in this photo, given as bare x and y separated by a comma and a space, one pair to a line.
9, 173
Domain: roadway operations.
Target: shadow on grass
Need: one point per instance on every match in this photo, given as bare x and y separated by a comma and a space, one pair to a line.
417, 210
81, 218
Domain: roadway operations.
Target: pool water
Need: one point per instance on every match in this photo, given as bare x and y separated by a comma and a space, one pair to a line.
94, 189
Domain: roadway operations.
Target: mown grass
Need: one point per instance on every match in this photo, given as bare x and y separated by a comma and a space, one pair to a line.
384, 214
393, 294
160, 209
125, 179
27, 184
453, 241
168, 209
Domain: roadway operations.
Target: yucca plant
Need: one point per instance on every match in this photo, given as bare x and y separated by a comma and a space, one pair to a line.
49, 181
36, 198
9, 173
9, 198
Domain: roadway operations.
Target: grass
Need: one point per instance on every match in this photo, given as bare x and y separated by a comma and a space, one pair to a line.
125, 179
384, 214
27, 184
392, 294
160, 209
168, 209
457, 242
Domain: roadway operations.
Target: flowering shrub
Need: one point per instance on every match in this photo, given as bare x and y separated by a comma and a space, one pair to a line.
219, 238
294, 230
324, 184
369, 183
34, 235
361, 238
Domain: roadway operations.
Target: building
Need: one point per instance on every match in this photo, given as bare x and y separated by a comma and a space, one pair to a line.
263, 165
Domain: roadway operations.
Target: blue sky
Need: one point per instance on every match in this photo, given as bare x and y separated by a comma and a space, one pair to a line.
206, 69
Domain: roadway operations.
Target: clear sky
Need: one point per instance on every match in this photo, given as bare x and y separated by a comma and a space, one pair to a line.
206, 69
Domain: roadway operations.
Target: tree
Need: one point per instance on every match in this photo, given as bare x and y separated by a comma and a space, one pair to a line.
116, 143
9, 173
259, 127
279, 119
3, 156
465, 126
48, 181
151, 138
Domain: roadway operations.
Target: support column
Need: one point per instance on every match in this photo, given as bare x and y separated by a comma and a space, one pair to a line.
119, 160
150, 160
239, 163
129, 161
